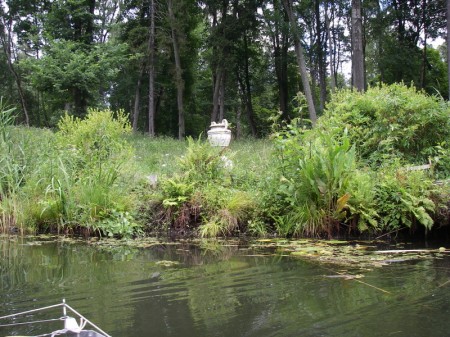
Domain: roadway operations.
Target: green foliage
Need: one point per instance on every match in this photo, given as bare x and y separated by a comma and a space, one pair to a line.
362, 204
403, 199
12, 169
389, 122
205, 192
10, 155
118, 224
156, 155
92, 153
316, 181
96, 141
70, 73
81, 180
176, 191
202, 162
225, 210
326, 183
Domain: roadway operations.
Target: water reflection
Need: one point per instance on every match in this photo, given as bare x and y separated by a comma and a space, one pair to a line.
225, 290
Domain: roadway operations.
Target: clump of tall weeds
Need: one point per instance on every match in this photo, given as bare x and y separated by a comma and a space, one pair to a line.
315, 182
203, 195
74, 180
357, 168
85, 188
12, 170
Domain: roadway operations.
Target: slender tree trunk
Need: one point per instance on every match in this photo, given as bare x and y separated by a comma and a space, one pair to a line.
320, 57
178, 72
280, 43
280, 49
423, 73
357, 47
330, 48
137, 98
424, 51
151, 72
216, 95
248, 91
301, 61
6, 41
238, 122
448, 46
90, 24
222, 97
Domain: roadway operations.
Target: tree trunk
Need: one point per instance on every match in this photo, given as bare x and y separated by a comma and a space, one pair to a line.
280, 58
448, 46
320, 57
151, 72
301, 61
248, 91
178, 72
137, 98
423, 72
222, 97
6, 40
280, 43
424, 51
238, 122
357, 47
215, 110
90, 24
330, 49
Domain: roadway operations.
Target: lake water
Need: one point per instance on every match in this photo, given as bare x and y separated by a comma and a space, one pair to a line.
215, 289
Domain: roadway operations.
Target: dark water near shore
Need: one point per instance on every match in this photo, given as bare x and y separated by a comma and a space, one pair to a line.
220, 290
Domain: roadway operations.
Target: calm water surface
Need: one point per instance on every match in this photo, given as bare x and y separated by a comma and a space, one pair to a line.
220, 290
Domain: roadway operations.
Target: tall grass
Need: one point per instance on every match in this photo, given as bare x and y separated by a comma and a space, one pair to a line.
66, 180
89, 176
11, 169
94, 175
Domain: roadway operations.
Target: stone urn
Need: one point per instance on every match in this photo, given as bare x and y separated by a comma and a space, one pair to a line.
219, 134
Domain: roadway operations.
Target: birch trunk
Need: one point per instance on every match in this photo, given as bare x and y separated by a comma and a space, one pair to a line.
357, 47
330, 49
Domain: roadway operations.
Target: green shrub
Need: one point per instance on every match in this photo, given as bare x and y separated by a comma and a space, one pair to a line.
403, 199
316, 171
362, 204
392, 122
118, 224
84, 180
96, 141
204, 192
202, 163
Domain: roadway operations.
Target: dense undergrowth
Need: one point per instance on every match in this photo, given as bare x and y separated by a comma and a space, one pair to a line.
354, 173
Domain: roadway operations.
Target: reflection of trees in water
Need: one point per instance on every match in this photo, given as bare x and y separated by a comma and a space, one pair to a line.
192, 253
37, 273
216, 287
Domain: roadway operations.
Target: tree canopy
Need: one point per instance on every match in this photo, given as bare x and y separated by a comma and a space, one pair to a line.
175, 66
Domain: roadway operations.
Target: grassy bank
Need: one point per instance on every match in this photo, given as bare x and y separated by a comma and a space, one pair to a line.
349, 175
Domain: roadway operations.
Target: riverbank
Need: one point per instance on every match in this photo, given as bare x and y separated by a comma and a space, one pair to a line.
156, 198
355, 173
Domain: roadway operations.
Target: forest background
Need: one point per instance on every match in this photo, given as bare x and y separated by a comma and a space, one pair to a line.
175, 66
87, 73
